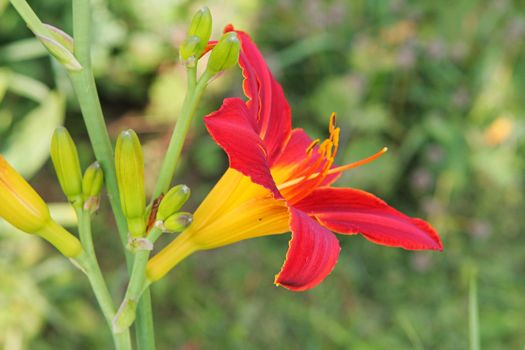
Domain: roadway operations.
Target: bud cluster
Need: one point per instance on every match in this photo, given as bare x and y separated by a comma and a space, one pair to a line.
168, 215
79, 190
199, 34
225, 52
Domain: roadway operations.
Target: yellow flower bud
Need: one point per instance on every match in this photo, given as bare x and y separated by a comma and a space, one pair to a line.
173, 201
225, 54
20, 205
129, 163
65, 160
200, 27
23, 208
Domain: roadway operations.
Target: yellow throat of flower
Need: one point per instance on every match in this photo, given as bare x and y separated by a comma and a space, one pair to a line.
236, 209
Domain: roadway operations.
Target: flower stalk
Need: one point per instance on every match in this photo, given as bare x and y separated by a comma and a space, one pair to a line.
191, 101
137, 284
88, 262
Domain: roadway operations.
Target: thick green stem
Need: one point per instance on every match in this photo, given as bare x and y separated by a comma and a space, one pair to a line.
126, 315
191, 101
86, 91
88, 262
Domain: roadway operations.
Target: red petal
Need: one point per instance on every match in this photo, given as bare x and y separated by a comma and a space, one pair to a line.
350, 211
231, 127
267, 103
312, 254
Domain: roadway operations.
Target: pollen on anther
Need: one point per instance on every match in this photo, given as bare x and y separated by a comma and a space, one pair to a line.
331, 125
312, 145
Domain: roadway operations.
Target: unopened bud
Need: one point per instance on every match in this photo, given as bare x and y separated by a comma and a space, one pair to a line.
60, 52
190, 50
225, 54
23, 208
125, 316
61, 37
20, 205
129, 163
67, 166
92, 185
178, 222
173, 201
200, 27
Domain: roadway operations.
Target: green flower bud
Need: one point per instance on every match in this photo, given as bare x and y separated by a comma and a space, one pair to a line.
65, 160
61, 37
125, 316
225, 54
201, 28
189, 51
60, 52
92, 185
129, 163
173, 201
92, 181
178, 222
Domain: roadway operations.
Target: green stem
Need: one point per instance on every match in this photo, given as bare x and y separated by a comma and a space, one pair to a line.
137, 282
474, 339
144, 322
86, 91
31, 19
191, 101
144, 330
88, 262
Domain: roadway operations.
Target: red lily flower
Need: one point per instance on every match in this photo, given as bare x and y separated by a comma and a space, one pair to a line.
279, 181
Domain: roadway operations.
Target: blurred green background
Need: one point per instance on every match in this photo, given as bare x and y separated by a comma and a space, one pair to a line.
441, 83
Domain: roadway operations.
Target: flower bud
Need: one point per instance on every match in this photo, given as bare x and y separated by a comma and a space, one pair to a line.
189, 50
20, 205
23, 208
60, 52
225, 54
61, 37
200, 27
92, 185
92, 181
178, 222
173, 201
65, 160
129, 163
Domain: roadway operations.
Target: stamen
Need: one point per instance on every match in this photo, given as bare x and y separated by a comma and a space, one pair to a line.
310, 148
331, 125
359, 162
333, 170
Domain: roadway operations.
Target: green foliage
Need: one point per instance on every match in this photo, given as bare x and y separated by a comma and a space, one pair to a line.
439, 84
